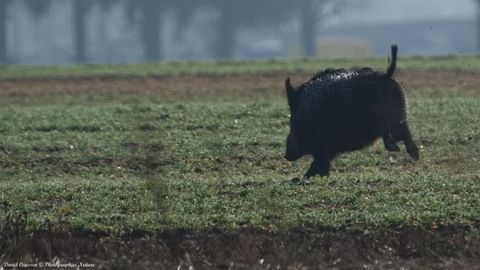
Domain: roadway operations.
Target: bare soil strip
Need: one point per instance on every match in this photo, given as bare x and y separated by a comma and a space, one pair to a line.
176, 87
305, 248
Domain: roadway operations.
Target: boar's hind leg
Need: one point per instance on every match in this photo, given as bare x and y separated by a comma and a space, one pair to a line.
320, 166
389, 143
401, 132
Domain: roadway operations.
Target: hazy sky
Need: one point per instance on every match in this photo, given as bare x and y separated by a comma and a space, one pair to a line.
405, 10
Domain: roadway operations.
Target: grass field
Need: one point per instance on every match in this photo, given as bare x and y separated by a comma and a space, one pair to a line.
183, 162
452, 62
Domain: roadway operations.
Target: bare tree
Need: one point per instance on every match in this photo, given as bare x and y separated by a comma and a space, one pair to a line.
309, 17
313, 14
146, 15
478, 24
3, 30
81, 8
37, 8
233, 15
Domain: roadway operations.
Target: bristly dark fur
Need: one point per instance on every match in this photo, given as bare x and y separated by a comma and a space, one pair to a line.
339, 111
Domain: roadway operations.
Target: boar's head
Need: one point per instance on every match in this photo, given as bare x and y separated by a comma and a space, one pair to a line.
295, 150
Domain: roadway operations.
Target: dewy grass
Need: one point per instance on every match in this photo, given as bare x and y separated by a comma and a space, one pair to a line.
169, 68
196, 165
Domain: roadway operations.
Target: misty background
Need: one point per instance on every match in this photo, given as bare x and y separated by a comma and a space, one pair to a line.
101, 31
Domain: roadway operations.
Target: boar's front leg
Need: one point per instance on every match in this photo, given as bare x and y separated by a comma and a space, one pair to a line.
320, 166
389, 143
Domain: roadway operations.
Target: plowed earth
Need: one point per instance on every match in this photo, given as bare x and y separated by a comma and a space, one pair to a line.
191, 87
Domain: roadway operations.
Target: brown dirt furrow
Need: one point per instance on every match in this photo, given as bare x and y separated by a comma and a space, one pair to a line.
308, 248
185, 86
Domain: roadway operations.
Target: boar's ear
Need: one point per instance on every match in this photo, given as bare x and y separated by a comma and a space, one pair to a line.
291, 95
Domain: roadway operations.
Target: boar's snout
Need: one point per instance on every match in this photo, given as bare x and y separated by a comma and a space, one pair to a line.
293, 152
291, 157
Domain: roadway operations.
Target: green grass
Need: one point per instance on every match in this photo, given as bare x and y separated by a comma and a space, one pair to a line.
154, 166
231, 67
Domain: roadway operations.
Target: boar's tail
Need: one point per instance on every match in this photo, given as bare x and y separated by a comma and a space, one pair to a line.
393, 63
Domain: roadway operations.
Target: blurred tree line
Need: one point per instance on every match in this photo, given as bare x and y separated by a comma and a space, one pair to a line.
146, 17
478, 23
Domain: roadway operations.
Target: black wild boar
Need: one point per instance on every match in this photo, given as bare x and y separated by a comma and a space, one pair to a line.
339, 111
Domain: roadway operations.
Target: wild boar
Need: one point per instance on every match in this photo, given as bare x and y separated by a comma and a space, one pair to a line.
339, 111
